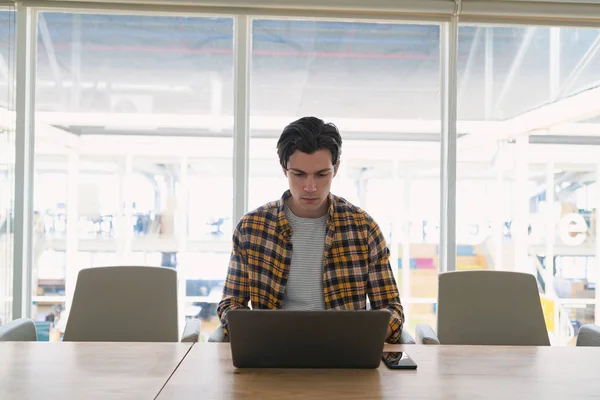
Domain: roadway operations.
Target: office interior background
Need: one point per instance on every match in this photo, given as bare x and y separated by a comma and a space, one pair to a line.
135, 134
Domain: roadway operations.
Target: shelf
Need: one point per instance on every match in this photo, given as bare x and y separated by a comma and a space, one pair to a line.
49, 299
203, 299
576, 301
585, 249
145, 244
188, 299
420, 300
222, 245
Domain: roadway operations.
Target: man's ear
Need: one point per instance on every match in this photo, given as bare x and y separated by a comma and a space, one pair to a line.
335, 168
285, 172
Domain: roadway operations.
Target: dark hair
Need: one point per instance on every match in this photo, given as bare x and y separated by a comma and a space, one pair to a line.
309, 134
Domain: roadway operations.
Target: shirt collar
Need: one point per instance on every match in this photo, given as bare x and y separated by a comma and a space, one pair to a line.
282, 221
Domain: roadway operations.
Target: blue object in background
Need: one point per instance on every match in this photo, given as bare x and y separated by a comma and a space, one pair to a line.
43, 330
465, 250
413, 263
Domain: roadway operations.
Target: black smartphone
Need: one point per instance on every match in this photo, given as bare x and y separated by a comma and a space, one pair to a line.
398, 360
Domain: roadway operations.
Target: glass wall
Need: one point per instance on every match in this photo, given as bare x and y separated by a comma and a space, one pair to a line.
134, 149
7, 158
528, 196
133, 153
379, 84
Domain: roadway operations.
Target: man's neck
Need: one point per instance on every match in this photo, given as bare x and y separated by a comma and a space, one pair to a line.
316, 214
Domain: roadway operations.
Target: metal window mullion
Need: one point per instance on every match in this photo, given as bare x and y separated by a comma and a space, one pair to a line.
597, 240
413, 10
24, 160
241, 126
449, 45
554, 61
489, 73
72, 236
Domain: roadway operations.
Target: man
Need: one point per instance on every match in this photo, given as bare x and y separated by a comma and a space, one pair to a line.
310, 250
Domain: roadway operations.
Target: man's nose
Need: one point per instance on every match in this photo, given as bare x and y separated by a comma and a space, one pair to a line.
310, 186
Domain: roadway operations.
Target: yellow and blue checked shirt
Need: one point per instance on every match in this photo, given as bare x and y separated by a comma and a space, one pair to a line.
356, 263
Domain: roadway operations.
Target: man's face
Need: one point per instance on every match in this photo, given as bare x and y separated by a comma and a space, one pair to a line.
310, 177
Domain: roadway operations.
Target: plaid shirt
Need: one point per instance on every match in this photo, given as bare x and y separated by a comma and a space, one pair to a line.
356, 263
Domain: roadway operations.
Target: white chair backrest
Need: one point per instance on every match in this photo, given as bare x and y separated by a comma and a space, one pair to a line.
124, 304
19, 330
589, 335
490, 308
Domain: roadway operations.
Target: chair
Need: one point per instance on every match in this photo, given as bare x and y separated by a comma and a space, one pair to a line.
191, 330
589, 335
19, 330
219, 335
487, 308
126, 304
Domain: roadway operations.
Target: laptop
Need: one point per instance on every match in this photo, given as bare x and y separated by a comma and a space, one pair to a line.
307, 339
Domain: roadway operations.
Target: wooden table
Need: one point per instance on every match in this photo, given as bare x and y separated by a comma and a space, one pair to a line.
86, 371
444, 372
144, 370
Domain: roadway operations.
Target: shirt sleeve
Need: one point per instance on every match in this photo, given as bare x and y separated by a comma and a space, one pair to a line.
382, 288
236, 289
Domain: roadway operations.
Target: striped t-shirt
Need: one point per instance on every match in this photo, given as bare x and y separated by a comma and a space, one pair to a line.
304, 288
